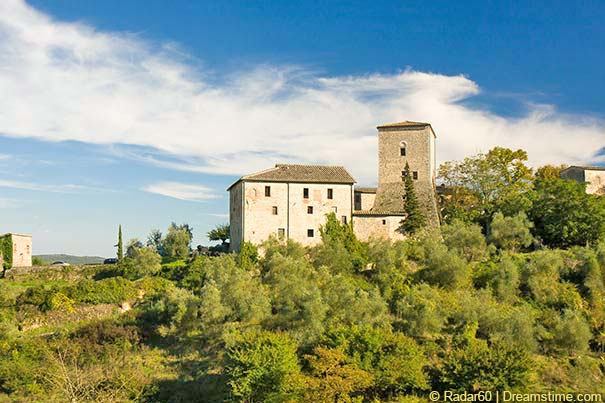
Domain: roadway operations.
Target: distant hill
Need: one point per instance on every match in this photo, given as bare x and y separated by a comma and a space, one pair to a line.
71, 259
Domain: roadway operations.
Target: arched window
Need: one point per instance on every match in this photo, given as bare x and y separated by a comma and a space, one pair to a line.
403, 148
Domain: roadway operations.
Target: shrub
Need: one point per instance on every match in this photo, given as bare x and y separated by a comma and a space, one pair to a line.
511, 233
496, 367
262, 367
113, 290
107, 332
395, 360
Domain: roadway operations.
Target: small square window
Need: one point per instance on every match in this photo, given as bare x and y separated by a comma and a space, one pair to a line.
403, 174
384, 222
402, 151
267, 191
415, 175
309, 209
334, 209
306, 193
274, 208
310, 233
330, 193
281, 233
344, 219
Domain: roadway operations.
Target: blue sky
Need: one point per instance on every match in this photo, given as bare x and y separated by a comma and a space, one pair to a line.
142, 113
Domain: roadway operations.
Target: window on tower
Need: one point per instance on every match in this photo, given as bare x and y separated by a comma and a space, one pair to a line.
415, 175
402, 151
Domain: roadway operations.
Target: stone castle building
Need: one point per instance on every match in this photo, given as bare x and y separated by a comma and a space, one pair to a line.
21, 249
594, 177
292, 201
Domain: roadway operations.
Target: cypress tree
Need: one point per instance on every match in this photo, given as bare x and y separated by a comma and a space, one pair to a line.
414, 217
120, 245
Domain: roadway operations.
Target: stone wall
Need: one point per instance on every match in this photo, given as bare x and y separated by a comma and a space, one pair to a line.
364, 200
419, 143
376, 226
22, 250
595, 182
285, 211
235, 216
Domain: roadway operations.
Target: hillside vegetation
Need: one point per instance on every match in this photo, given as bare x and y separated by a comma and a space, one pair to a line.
492, 300
71, 259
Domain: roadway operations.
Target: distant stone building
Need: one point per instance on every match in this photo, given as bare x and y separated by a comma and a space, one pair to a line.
20, 248
594, 177
292, 201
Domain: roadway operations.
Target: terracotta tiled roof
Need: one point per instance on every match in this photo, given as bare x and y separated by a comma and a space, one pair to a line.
362, 189
405, 123
301, 173
378, 213
585, 168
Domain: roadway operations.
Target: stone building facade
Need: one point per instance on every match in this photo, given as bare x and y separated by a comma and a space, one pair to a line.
21, 249
292, 201
289, 202
594, 177
399, 143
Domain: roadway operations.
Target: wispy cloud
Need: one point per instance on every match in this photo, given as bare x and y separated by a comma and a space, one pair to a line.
8, 203
62, 188
4, 157
218, 215
68, 81
182, 191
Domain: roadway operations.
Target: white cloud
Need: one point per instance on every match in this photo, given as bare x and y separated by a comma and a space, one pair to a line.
8, 203
218, 215
66, 81
182, 191
63, 188
4, 157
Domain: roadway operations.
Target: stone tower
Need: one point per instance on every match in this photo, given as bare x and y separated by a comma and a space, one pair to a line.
414, 143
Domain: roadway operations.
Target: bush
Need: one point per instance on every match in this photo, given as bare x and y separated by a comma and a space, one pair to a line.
107, 332
113, 290
511, 233
496, 367
263, 367
395, 360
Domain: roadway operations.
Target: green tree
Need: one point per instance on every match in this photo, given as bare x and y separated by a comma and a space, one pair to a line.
486, 183
333, 377
296, 298
219, 233
176, 242
496, 367
465, 239
141, 261
340, 249
511, 233
119, 245
550, 171
395, 360
414, 216
565, 215
263, 367
247, 256
155, 240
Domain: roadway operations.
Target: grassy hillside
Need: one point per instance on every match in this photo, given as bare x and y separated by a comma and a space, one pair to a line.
376, 322
71, 259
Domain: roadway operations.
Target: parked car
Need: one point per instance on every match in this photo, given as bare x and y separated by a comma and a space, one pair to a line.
111, 260
60, 263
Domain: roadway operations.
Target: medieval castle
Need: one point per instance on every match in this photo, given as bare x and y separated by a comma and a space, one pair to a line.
292, 201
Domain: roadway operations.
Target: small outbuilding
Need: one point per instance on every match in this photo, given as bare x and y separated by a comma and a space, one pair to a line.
593, 177
16, 250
